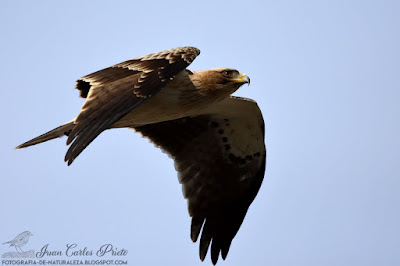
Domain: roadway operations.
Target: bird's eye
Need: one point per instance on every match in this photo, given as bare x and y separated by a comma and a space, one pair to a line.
227, 73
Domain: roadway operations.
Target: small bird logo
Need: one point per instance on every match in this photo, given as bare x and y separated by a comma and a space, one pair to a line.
20, 240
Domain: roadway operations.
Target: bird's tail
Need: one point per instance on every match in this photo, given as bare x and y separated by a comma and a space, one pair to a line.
9, 242
52, 134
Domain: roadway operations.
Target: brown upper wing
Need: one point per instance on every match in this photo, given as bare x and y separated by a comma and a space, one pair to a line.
220, 159
115, 91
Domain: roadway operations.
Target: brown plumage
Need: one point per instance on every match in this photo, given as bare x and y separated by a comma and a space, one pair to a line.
216, 140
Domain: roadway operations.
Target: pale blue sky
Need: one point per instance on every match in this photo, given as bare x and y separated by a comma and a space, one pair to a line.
324, 73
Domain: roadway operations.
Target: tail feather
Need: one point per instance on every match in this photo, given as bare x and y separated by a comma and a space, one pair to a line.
52, 134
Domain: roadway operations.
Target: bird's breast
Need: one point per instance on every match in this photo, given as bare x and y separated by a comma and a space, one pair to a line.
177, 99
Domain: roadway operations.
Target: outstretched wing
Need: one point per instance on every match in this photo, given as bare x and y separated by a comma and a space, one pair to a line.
115, 91
220, 159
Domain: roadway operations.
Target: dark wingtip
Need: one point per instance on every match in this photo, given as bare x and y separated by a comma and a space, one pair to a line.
215, 249
214, 258
195, 228
70, 138
225, 250
68, 159
204, 248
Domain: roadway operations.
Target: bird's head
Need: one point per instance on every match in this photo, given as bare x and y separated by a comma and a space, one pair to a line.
219, 81
26, 234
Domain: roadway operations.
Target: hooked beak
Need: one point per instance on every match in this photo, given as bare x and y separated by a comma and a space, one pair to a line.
246, 79
243, 79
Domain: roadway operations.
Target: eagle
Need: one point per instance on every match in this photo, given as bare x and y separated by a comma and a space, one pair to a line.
216, 140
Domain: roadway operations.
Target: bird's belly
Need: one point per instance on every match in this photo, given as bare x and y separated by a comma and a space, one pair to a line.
165, 105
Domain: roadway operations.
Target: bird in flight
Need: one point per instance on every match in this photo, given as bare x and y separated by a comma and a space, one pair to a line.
215, 139
20, 241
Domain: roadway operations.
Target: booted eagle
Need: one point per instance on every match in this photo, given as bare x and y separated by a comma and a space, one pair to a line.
216, 140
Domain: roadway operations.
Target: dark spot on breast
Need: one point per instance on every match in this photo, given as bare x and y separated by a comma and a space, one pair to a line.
233, 158
226, 119
227, 124
227, 147
249, 157
236, 159
225, 139
257, 154
221, 131
214, 124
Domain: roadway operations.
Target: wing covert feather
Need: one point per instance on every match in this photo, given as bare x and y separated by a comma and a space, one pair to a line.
113, 92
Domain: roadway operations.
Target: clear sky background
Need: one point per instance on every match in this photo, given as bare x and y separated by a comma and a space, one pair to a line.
326, 75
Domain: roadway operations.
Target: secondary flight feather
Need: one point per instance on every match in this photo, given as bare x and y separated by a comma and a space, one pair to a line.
216, 140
